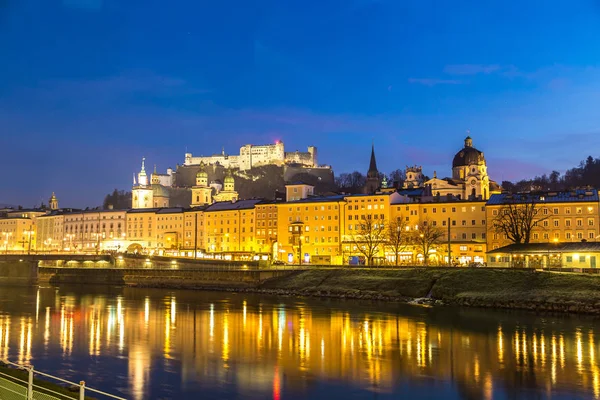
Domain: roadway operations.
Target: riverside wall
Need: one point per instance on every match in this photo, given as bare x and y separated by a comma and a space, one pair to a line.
198, 278
21, 273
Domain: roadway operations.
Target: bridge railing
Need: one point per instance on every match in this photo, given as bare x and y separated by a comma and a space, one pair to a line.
18, 381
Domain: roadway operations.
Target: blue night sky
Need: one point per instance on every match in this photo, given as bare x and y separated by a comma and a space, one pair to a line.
88, 87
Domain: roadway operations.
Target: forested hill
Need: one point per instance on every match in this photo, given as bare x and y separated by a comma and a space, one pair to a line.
587, 173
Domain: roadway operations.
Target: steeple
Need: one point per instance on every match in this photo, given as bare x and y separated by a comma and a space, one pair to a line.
53, 203
142, 177
373, 172
373, 183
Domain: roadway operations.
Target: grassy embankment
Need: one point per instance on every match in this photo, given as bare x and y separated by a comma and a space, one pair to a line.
41, 386
543, 291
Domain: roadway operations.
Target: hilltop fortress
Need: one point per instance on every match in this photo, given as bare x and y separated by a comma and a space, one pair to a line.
253, 156
207, 179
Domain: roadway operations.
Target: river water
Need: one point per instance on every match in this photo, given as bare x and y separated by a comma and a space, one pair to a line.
161, 344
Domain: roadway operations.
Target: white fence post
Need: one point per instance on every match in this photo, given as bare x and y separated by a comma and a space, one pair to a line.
82, 390
30, 384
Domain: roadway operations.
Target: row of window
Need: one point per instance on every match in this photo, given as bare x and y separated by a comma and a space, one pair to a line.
368, 207
556, 222
556, 210
299, 218
556, 235
322, 208
434, 210
94, 218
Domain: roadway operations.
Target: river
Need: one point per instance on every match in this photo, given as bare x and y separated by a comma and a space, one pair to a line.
159, 344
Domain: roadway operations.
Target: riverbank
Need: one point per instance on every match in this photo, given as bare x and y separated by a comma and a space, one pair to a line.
489, 288
473, 287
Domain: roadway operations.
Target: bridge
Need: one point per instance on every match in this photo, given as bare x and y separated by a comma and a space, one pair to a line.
57, 257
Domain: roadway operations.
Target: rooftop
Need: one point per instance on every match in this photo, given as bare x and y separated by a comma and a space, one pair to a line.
579, 195
228, 205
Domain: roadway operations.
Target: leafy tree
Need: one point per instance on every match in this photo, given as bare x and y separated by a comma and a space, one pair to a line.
397, 237
427, 238
369, 237
518, 217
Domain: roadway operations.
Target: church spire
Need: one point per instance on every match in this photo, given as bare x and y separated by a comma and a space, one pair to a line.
373, 183
373, 172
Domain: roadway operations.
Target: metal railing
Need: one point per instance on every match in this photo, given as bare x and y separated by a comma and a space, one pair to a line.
19, 382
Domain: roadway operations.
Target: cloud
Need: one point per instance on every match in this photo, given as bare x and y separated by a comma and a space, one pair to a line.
433, 82
471, 69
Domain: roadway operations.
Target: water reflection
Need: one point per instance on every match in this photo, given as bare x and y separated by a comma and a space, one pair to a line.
163, 344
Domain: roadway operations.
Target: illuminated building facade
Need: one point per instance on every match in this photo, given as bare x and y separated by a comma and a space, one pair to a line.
94, 230
309, 230
465, 220
17, 234
256, 155
230, 229
569, 216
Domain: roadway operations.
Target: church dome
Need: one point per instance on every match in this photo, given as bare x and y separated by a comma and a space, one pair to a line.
468, 155
201, 174
159, 191
228, 179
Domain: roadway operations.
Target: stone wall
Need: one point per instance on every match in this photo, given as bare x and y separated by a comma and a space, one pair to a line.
18, 272
198, 278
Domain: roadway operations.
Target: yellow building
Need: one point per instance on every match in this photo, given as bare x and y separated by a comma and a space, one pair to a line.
570, 216
155, 230
358, 208
309, 230
94, 230
169, 228
230, 229
467, 223
266, 228
17, 234
50, 231
141, 229
194, 237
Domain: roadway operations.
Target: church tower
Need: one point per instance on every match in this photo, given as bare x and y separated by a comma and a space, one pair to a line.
141, 193
53, 202
228, 193
470, 168
201, 192
372, 175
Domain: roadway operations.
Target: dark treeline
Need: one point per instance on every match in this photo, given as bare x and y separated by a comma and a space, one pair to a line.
118, 199
354, 182
586, 174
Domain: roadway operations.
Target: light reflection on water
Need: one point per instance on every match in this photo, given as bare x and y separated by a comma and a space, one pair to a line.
181, 344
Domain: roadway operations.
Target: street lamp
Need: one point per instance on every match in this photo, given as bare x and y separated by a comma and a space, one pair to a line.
7, 235
29, 234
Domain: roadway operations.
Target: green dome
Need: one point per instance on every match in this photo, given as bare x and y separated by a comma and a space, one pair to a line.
201, 174
229, 179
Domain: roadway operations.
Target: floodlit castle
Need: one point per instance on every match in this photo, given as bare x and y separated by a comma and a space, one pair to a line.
253, 156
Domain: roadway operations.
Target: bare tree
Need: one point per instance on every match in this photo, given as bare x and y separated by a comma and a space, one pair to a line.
397, 177
519, 216
427, 238
397, 237
369, 237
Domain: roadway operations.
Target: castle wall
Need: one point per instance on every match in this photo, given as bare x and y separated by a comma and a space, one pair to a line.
252, 156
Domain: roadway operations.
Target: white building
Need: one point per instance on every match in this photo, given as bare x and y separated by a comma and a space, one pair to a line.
253, 156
